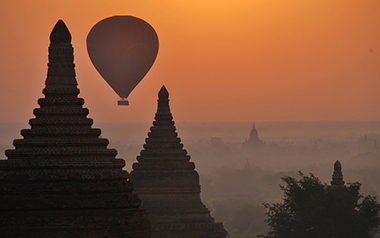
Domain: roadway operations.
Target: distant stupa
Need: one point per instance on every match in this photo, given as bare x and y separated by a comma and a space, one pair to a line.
61, 180
168, 185
337, 178
253, 140
247, 165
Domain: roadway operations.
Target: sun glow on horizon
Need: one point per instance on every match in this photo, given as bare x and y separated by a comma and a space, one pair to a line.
243, 60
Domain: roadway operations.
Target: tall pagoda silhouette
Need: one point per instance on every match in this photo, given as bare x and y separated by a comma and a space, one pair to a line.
168, 185
61, 180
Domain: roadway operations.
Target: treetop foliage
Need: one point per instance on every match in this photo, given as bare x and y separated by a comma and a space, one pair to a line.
314, 209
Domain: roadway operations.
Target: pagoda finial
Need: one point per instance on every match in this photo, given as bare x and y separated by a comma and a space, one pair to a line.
337, 178
163, 102
60, 33
61, 71
163, 94
254, 135
337, 166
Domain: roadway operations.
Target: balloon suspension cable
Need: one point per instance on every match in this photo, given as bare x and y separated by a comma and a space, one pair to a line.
123, 102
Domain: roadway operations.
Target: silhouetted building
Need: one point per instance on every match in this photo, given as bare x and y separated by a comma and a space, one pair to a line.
337, 178
253, 140
61, 180
247, 166
168, 185
367, 144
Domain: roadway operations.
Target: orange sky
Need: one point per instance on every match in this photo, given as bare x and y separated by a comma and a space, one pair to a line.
221, 60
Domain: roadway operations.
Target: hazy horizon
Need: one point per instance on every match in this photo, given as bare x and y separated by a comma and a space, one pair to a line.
128, 138
233, 192
227, 187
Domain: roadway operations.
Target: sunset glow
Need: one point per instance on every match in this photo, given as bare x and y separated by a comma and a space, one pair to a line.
244, 60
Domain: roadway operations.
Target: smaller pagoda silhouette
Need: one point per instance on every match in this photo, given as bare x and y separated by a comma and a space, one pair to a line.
168, 184
337, 177
61, 180
253, 141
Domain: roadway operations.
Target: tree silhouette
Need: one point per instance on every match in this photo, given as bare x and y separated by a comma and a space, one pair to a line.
314, 210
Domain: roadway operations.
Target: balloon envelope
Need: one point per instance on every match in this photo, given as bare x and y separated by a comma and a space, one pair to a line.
122, 49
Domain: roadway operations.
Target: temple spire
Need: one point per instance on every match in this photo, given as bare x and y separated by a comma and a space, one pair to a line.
61, 68
254, 135
247, 165
253, 141
60, 33
163, 102
167, 183
337, 178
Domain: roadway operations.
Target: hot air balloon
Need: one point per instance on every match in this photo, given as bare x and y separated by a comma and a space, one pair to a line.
122, 49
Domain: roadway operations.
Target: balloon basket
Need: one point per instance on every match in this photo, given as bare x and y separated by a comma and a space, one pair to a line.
123, 103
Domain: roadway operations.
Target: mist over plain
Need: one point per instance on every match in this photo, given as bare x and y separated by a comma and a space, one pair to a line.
236, 181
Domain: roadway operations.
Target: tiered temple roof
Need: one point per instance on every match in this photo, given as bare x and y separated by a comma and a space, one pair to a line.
253, 141
337, 177
168, 185
61, 180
